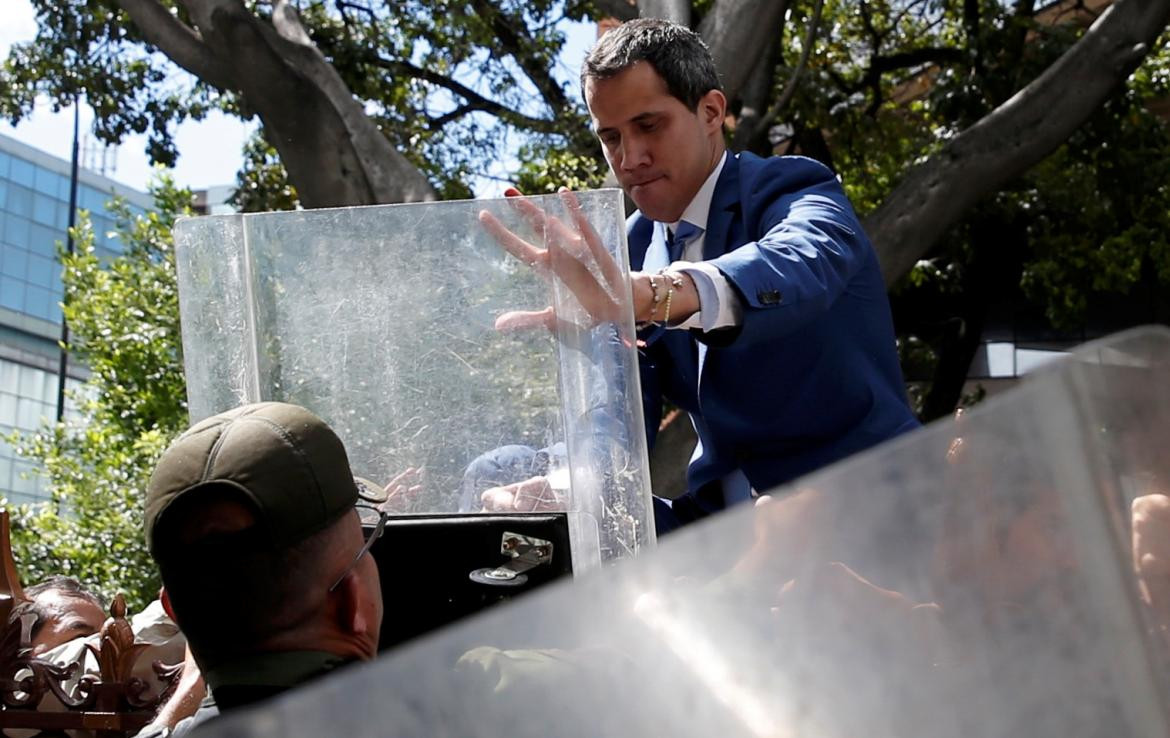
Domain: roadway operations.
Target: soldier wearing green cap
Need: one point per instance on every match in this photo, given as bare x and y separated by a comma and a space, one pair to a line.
251, 518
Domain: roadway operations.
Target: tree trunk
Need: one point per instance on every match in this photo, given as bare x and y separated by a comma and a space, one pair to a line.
678, 11
955, 356
750, 132
1025, 129
334, 153
741, 35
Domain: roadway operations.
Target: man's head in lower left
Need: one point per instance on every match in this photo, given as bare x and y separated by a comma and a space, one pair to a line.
250, 516
63, 610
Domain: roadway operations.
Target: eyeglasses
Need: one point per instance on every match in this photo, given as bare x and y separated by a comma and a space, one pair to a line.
371, 535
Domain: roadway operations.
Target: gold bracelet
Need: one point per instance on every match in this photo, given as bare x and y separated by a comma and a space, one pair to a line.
656, 297
673, 282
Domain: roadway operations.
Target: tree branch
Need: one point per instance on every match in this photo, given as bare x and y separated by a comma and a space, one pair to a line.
288, 25
623, 10
867, 20
178, 41
1019, 133
879, 65
917, 57
971, 16
910, 8
1022, 20
790, 89
475, 100
437, 123
513, 36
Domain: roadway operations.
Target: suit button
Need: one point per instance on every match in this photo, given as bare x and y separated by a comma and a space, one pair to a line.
768, 297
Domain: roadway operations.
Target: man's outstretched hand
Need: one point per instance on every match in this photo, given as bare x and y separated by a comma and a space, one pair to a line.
535, 494
574, 254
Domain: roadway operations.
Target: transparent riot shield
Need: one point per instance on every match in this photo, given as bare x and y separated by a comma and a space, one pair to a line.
1003, 575
416, 334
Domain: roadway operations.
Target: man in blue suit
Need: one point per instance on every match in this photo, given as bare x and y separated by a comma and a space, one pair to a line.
763, 310
766, 315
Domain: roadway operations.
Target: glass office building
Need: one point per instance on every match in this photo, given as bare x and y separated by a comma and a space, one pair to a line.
34, 213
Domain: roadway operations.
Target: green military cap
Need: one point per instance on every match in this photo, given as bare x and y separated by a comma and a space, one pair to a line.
284, 459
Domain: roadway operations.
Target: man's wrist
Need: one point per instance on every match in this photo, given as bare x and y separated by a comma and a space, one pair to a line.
650, 296
684, 298
642, 289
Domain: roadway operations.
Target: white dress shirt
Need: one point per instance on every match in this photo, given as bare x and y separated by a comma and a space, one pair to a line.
719, 305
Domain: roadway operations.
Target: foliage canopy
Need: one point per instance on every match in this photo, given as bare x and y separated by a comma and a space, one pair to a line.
124, 321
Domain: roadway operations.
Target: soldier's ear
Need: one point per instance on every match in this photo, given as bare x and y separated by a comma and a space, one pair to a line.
353, 607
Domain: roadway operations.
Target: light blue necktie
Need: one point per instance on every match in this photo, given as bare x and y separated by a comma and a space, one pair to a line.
735, 485
677, 242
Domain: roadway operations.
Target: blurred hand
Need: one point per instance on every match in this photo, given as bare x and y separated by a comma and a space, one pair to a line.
1151, 554
402, 490
787, 530
531, 495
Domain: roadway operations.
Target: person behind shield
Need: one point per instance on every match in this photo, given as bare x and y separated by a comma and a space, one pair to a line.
253, 518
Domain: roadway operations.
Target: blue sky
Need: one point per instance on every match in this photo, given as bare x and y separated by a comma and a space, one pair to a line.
217, 139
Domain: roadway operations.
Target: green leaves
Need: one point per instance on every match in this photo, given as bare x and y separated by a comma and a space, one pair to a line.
1099, 227
411, 63
87, 48
124, 323
544, 169
262, 184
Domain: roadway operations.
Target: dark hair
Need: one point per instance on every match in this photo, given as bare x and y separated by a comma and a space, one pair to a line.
233, 591
67, 586
676, 52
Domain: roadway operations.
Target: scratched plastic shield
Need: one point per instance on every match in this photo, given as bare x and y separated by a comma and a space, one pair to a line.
382, 320
1003, 575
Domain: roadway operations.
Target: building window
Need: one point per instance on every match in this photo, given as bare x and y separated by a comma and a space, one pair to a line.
28, 400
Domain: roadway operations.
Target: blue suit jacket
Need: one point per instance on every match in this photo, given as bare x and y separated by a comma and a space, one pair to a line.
811, 375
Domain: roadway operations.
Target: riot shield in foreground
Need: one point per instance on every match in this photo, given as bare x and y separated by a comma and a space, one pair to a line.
1006, 576
398, 325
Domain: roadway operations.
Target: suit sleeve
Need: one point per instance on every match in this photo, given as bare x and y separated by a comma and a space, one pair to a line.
809, 248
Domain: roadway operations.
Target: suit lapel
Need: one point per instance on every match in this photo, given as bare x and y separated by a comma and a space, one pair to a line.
723, 228
724, 232
722, 225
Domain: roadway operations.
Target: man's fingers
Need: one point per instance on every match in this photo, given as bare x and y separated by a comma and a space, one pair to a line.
552, 229
402, 475
404, 491
512, 243
569, 247
529, 210
559, 236
497, 499
609, 266
519, 320
533, 494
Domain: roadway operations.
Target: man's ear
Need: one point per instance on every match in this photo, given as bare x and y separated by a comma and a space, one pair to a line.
713, 109
351, 601
165, 598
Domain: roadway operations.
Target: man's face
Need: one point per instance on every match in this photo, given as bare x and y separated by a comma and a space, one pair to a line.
660, 151
69, 617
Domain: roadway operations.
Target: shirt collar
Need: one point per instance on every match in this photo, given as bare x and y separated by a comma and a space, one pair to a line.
700, 206
272, 669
